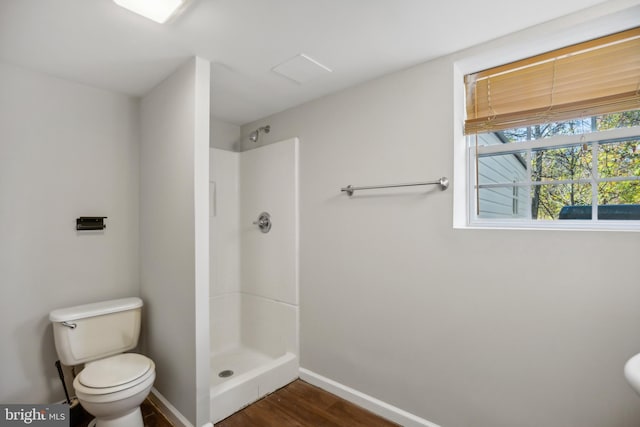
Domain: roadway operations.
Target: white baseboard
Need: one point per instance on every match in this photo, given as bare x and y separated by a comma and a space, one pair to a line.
372, 404
170, 411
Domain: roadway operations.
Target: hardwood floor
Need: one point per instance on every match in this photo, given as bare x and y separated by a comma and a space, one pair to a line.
300, 404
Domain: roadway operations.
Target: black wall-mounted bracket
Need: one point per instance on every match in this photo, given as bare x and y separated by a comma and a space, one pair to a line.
90, 223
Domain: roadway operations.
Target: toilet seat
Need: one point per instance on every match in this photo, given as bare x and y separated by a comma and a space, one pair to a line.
140, 389
113, 374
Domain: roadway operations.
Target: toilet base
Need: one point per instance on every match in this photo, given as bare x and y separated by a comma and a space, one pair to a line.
132, 419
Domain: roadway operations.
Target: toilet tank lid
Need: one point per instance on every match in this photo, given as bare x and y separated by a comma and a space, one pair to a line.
94, 309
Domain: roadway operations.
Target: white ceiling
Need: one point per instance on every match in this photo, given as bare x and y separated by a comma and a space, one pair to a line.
98, 43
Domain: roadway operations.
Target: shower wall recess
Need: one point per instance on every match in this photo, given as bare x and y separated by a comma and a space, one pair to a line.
254, 274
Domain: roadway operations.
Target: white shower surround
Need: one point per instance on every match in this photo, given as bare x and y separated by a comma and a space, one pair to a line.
254, 276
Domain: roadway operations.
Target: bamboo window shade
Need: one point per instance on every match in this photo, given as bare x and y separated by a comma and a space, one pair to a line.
599, 76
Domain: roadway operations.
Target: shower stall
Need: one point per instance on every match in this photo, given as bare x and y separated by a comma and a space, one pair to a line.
254, 274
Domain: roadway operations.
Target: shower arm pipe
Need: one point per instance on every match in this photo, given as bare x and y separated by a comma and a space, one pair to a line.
442, 182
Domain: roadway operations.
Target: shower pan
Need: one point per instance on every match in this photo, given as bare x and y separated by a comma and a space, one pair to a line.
254, 274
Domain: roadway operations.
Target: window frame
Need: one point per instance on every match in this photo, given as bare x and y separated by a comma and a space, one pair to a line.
594, 138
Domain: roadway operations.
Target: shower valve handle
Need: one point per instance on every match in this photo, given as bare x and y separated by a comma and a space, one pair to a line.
263, 222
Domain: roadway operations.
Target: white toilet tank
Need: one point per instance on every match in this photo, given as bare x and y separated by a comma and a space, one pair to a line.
93, 331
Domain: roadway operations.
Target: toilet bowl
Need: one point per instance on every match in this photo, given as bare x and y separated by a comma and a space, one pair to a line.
113, 388
113, 383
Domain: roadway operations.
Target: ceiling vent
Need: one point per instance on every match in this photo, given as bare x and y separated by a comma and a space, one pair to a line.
301, 69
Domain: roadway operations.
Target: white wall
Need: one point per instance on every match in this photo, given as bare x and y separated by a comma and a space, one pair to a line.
174, 236
398, 304
225, 135
66, 150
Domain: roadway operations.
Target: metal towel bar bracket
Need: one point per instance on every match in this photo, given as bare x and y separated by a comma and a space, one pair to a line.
442, 182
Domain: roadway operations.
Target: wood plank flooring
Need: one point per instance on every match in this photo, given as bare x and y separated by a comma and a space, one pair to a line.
300, 404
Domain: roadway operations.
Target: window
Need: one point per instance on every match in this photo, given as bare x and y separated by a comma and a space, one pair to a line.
554, 140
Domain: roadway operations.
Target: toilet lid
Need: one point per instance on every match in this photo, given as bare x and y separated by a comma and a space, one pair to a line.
114, 371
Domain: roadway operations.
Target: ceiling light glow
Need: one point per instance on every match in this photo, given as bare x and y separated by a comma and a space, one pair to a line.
157, 10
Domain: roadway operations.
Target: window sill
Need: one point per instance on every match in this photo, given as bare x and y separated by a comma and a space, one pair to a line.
565, 225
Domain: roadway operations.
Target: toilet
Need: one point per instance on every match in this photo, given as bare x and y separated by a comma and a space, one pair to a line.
113, 383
